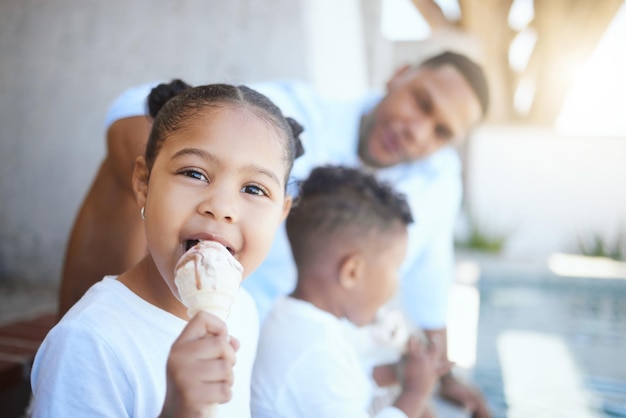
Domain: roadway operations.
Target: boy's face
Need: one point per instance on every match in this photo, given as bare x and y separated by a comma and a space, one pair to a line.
383, 258
424, 110
221, 178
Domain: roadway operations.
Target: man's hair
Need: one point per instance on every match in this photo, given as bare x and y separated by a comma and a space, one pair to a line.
340, 202
470, 70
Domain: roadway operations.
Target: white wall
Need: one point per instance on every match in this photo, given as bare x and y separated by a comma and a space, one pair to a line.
63, 61
337, 48
547, 190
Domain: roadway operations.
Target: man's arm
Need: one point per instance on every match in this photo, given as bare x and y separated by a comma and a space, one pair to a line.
107, 236
126, 140
455, 390
430, 273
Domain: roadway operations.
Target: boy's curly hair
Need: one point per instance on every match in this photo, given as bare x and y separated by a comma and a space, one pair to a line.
335, 201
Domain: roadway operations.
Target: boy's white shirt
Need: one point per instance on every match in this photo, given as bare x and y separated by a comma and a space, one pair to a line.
306, 367
107, 356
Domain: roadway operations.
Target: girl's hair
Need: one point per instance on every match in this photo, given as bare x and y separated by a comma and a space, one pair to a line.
336, 202
172, 104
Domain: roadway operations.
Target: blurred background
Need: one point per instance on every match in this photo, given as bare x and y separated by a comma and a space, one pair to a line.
542, 236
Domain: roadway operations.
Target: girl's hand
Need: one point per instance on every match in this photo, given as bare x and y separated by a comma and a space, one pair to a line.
199, 368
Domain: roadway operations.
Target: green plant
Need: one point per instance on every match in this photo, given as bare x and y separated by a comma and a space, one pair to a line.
480, 237
598, 245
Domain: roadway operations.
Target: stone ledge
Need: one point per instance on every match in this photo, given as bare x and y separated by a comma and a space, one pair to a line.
19, 342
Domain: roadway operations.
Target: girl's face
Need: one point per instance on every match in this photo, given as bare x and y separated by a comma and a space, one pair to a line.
220, 178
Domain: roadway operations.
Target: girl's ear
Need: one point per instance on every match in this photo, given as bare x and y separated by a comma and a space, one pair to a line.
351, 270
286, 207
140, 181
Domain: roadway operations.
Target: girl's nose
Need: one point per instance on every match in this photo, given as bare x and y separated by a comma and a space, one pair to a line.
220, 204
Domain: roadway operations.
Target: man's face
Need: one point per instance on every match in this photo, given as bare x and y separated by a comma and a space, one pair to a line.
424, 110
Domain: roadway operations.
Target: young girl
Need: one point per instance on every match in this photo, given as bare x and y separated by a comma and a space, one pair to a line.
215, 168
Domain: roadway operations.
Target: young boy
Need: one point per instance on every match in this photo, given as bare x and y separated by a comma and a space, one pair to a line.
348, 235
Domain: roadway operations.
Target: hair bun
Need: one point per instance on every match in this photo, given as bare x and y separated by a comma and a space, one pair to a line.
296, 129
162, 93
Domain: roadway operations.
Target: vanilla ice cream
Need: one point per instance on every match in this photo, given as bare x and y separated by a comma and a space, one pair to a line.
208, 278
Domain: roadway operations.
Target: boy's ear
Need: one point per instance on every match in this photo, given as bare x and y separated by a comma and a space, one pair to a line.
140, 181
286, 207
351, 270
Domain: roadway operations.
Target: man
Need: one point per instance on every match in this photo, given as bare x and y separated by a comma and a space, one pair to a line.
405, 137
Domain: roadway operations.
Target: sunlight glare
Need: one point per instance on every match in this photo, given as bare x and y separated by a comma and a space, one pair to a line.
521, 14
401, 21
572, 265
594, 104
524, 95
521, 49
539, 371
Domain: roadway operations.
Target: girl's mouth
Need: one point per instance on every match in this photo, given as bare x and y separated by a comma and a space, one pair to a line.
190, 243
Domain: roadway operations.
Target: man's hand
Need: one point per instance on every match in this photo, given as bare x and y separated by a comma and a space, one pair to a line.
464, 395
456, 391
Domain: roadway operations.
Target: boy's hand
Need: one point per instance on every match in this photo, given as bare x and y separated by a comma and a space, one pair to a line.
199, 368
423, 366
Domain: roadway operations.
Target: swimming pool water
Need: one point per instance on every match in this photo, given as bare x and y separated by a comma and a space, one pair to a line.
552, 346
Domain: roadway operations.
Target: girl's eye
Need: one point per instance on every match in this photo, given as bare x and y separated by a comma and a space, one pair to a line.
254, 189
194, 174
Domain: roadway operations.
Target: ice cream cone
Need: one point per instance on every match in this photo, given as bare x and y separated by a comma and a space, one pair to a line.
208, 278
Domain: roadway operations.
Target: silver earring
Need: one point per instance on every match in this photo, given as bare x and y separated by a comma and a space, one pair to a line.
143, 215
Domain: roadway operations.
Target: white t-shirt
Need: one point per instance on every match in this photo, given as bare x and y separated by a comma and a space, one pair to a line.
107, 356
305, 367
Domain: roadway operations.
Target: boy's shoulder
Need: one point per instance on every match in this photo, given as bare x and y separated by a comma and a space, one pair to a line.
288, 312
301, 344
295, 327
